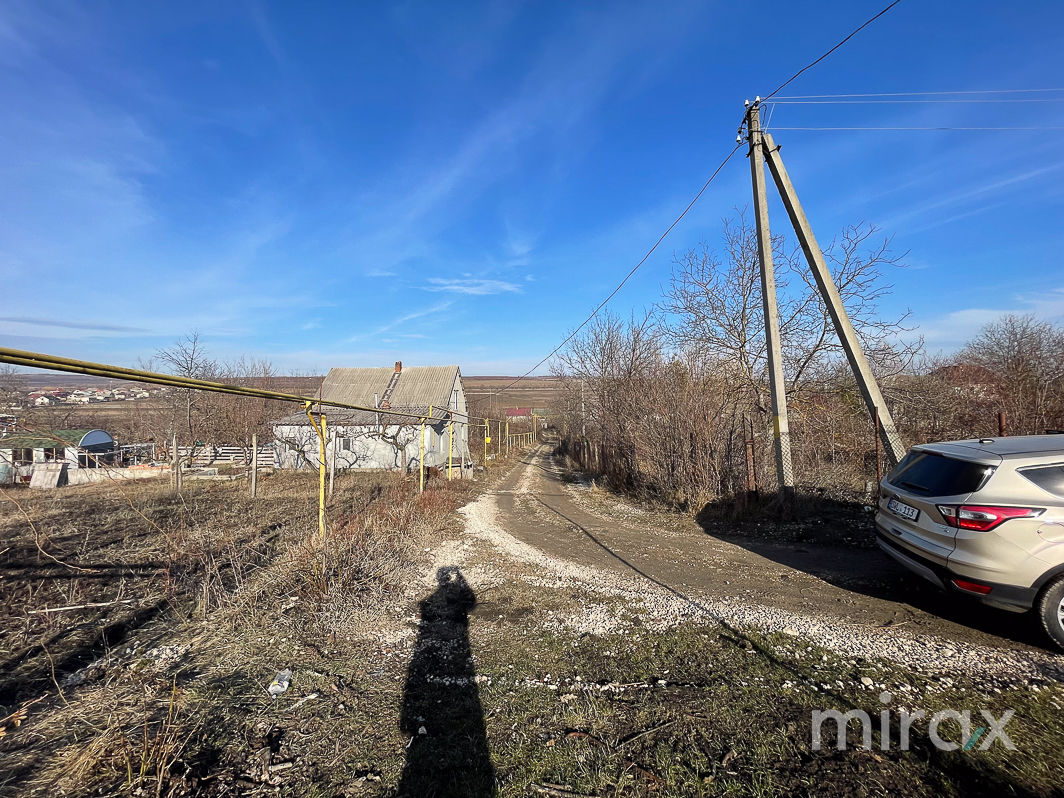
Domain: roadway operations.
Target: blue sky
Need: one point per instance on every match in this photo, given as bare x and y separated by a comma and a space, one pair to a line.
354, 183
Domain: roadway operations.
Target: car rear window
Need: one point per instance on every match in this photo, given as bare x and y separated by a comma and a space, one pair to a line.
931, 474
1048, 478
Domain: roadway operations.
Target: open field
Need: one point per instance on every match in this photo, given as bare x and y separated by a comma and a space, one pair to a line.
48, 380
530, 392
548, 639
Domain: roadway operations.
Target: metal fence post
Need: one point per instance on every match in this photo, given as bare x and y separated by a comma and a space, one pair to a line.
751, 477
177, 468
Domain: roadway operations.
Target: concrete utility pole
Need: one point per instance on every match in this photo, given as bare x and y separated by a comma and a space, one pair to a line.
781, 434
866, 381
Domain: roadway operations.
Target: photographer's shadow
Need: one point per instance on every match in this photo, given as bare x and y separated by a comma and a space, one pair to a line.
441, 715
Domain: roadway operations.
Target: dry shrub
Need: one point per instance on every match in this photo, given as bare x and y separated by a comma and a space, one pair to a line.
136, 742
253, 565
369, 548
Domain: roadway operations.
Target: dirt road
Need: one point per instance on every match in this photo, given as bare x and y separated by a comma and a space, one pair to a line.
835, 588
550, 639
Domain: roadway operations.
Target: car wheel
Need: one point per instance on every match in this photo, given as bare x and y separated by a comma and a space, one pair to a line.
1051, 611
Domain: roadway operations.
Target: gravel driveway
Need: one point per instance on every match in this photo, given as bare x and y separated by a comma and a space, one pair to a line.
841, 593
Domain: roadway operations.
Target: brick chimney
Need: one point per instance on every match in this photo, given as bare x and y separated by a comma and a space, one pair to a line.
398, 366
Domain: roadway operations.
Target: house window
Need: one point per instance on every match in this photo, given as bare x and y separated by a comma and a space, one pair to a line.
22, 456
51, 455
345, 444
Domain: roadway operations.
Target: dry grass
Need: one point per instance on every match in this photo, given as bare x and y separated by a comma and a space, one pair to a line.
93, 688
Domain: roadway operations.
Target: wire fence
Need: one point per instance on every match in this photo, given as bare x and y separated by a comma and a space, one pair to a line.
433, 442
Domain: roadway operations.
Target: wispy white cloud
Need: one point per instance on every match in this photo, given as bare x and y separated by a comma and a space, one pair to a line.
929, 212
472, 286
264, 29
71, 325
405, 318
551, 108
950, 332
319, 361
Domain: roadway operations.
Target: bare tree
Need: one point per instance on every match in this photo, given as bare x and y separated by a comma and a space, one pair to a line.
10, 388
188, 357
715, 312
668, 400
1022, 362
237, 418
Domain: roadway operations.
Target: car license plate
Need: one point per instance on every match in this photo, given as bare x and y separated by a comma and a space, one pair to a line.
902, 509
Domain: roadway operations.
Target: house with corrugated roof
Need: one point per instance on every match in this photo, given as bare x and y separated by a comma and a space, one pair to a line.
77, 448
374, 439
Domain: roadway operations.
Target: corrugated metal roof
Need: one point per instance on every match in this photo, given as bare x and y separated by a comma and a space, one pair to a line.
44, 440
418, 385
418, 388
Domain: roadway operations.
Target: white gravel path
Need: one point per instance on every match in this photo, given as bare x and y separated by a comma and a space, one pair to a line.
660, 607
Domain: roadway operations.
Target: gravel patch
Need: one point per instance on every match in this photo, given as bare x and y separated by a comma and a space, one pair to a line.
659, 607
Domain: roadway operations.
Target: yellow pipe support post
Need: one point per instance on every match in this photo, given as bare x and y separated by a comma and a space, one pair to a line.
322, 470
421, 461
319, 428
486, 444
450, 448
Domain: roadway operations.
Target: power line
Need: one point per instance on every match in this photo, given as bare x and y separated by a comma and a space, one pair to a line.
1029, 128
974, 100
627, 277
833, 49
917, 93
691, 204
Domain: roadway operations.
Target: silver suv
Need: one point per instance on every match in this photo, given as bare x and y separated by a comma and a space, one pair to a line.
984, 518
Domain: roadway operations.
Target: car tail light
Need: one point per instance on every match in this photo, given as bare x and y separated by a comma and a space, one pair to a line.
984, 517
